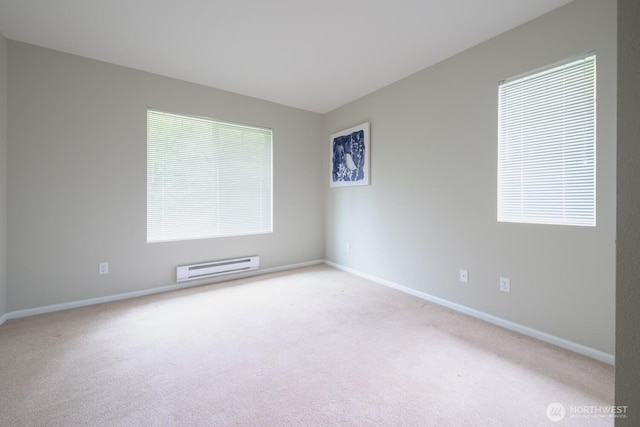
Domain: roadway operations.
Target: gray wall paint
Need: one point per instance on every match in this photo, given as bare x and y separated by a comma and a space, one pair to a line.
77, 174
3, 175
628, 244
431, 206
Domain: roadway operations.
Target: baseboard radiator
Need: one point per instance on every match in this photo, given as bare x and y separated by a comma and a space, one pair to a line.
217, 268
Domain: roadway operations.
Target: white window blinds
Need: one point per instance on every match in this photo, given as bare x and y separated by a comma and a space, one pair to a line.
206, 178
547, 146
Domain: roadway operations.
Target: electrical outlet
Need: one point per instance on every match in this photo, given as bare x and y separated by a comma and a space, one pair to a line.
464, 276
103, 268
505, 284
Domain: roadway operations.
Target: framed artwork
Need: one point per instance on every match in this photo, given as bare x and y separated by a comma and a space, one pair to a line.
350, 156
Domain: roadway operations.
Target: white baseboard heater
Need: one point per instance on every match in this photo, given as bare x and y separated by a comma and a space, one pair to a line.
217, 268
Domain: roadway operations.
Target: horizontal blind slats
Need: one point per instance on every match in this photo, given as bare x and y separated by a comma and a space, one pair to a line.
546, 149
206, 178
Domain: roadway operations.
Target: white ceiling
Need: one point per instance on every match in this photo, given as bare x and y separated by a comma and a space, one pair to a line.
311, 54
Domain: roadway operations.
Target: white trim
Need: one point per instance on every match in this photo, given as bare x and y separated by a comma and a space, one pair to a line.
524, 330
4, 318
100, 300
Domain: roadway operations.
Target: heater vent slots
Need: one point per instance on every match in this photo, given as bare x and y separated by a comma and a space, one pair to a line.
216, 268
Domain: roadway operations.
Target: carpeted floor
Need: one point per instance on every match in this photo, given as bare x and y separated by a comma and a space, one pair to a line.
309, 347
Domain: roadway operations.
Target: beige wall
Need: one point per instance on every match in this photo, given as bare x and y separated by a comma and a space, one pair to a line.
628, 261
77, 179
3, 175
431, 206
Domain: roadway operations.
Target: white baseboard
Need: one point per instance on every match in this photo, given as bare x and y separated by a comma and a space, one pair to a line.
4, 318
110, 298
524, 330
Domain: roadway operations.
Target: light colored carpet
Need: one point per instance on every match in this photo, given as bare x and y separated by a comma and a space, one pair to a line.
309, 347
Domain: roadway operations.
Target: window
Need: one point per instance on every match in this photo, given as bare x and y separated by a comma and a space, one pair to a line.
547, 145
206, 178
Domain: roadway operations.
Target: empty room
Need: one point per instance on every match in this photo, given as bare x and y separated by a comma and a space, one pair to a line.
317, 213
